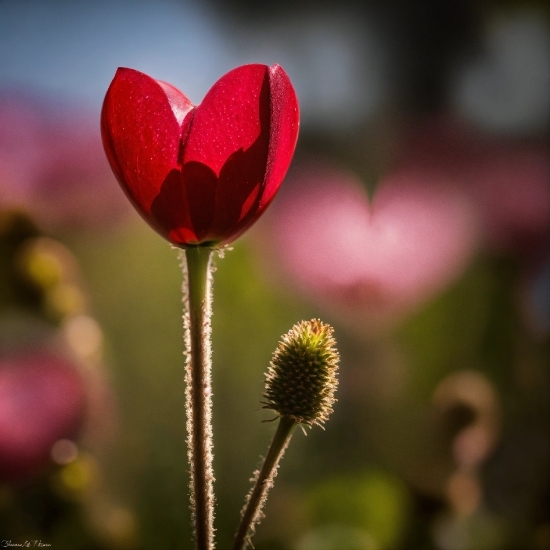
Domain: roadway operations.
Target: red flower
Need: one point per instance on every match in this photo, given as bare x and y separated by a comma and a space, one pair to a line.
201, 174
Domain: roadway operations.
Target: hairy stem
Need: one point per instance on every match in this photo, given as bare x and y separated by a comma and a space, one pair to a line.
252, 511
198, 393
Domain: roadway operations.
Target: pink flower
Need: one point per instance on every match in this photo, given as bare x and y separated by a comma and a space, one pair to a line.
509, 180
53, 167
511, 184
201, 174
42, 400
374, 261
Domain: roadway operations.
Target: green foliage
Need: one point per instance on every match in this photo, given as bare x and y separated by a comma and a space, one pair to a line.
375, 501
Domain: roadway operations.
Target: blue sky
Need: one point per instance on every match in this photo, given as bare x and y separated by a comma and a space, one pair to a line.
73, 48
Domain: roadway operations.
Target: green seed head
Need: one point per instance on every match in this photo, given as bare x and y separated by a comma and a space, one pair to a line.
301, 378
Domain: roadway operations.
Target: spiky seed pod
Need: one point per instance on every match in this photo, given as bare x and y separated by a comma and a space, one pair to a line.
301, 378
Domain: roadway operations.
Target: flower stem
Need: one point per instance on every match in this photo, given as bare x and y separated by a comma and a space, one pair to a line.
198, 393
252, 512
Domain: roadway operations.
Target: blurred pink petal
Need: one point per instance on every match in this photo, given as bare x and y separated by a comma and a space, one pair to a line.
381, 260
508, 180
52, 165
42, 400
19, 156
511, 183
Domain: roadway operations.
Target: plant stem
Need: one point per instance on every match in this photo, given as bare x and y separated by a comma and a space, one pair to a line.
252, 513
198, 393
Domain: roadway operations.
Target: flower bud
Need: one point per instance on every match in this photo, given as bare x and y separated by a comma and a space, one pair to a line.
301, 378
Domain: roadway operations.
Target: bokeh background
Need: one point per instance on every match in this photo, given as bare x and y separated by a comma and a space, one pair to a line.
415, 218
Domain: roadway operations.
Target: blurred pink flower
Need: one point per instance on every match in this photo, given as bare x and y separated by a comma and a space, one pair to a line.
42, 400
509, 180
511, 184
373, 261
52, 165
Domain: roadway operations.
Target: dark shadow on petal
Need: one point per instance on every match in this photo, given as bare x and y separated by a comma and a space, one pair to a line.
242, 173
200, 183
170, 208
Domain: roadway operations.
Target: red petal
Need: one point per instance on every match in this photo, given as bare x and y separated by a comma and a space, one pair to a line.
283, 134
228, 119
284, 122
230, 135
141, 124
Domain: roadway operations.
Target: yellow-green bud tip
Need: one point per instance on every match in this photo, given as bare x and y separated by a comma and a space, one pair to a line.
301, 378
